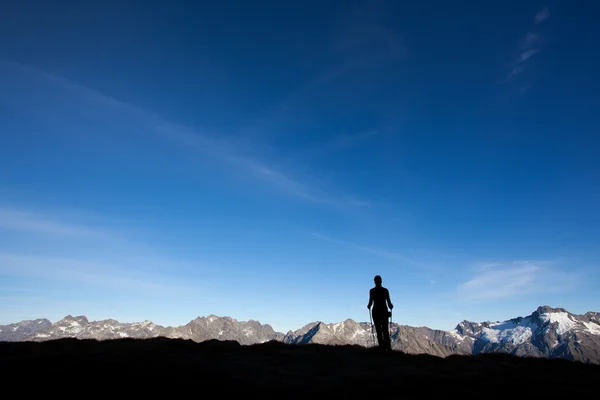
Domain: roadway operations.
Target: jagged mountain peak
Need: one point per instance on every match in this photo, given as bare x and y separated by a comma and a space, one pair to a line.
540, 311
469, 328
38, 321
345, 332
593, 316
213, 318
109, 321
17, 331
547, 309
205, 320
79, 319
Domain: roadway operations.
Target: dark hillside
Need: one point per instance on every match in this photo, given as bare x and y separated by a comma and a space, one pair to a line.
164, 367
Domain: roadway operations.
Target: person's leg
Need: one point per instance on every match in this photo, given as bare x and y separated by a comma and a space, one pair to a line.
379, 328
385, 328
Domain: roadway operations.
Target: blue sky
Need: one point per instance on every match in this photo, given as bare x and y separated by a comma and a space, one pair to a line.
265, 161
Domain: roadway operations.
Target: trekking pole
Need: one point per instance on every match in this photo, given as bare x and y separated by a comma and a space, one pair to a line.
389, 329
372, 334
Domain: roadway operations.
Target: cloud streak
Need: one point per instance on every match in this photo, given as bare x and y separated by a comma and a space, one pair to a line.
541, 15
114, 247
216, 147
97, 275
20, 220
72, 230
362, 33
496, 281
529, 46
360, 38
394, 256
338, 142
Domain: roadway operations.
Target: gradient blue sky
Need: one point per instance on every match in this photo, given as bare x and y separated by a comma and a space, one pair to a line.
264, 160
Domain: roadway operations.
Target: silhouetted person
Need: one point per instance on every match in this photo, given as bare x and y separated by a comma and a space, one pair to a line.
379, 298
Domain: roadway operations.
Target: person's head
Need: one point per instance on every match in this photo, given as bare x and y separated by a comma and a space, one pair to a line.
377, 280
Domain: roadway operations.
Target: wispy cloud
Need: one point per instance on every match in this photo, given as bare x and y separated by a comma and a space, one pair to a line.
526, 55
23, 220
528, 47
118, 247
362, 33
391, 255
516, 70
337, 143
80, 231
541, 15
360, 37
218, 147
529, 40
519, 278
98, 275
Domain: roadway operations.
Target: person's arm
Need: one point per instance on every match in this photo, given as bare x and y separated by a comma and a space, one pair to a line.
390, 305
370, 299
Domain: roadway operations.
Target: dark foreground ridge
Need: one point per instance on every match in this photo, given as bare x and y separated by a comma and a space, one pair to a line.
163, 366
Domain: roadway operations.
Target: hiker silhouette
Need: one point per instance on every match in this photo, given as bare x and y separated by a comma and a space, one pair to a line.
379, 298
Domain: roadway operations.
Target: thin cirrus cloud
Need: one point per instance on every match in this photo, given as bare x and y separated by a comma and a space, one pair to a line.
530, 40
136, 273
495, 281
361, 32
529, 46
108, 258
541, 15
217, 147
359, 37
78, 271
70, 227
336, 143
18, 219
391, 255
526, 55
24, 221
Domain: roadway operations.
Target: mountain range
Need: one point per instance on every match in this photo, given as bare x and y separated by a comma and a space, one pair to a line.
547, 332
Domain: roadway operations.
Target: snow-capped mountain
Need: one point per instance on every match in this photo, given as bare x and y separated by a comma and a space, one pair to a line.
79, 327
198, 330
347, 332
19, 331
405, 338
547, 332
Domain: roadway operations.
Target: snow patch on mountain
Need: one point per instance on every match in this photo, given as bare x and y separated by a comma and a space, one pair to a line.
454, 333
592, 328
336, 327
563, 320
513, 332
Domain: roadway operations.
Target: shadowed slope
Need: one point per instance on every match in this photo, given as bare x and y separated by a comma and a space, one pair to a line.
167, 366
